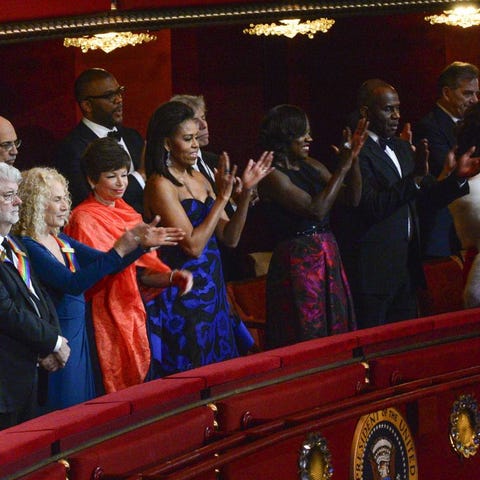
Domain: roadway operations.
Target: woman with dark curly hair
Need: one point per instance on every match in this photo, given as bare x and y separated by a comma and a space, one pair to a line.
307, 291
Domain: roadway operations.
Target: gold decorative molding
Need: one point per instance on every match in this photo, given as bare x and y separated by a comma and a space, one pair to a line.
159, 18
291, 27
465, 426
465, 17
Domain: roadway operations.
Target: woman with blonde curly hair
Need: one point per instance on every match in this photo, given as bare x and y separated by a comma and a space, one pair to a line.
67, 268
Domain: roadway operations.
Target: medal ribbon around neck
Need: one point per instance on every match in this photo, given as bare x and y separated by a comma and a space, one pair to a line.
66, 248
23, 265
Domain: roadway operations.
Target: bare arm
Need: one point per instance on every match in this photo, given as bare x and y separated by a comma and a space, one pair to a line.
162, 198
229, 232
279, 187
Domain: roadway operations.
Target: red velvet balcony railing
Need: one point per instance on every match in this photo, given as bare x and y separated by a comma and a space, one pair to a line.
248, 418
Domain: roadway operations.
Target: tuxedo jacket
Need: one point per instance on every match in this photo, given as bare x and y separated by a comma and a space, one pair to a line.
68, 161
378, 249
24, 336
438, 233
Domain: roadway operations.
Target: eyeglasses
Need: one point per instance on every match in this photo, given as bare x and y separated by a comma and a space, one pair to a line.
7, 146
110, 96
8, 197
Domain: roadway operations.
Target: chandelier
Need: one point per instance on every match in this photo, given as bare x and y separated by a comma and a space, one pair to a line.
291, 27
459, 17
108, 41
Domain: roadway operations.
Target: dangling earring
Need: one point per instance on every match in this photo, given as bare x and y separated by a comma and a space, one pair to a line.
168, 160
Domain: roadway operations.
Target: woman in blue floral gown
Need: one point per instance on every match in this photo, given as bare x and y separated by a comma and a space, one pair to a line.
198, 328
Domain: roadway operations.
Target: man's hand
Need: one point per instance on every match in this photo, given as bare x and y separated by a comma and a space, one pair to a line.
467, 166
64, 352
422, 153
50, 363
407, 135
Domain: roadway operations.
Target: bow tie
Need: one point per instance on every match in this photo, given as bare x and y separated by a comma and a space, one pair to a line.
386, 141
114, 134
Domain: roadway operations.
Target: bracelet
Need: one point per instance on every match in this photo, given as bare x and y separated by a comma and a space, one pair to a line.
172, 273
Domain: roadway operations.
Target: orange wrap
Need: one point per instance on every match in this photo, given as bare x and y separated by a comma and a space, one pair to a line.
119, 317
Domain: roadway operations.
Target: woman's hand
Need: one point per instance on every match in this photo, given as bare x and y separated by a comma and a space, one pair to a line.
224, 177
183, 279
256, 171
148, 236
352, 143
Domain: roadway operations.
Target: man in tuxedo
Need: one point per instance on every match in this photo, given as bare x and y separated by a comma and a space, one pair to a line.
29, 329
100, 98
458, 90
381, 250
9, 143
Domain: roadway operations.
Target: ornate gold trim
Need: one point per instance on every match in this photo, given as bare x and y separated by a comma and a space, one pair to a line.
315, 461
465, 426
193, 16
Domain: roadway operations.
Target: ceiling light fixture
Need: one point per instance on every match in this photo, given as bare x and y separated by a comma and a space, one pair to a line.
464, 17
108, 41
291, 27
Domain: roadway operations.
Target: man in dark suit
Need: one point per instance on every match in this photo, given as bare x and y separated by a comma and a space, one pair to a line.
29, 329
100, 98
458, 90
381, 251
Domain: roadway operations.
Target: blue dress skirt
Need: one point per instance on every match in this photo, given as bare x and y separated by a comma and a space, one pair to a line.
197, 328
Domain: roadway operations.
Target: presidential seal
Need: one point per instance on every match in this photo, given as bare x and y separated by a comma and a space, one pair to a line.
314, 461
465, 426
383, 448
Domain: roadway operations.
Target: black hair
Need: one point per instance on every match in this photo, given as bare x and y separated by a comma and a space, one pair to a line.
280, 126
163, 124
104, 155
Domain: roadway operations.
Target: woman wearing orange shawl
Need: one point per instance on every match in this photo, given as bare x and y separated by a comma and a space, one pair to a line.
118, 313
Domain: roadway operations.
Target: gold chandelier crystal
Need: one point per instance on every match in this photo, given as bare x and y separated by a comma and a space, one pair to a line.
464, 17
291, 27
108, 41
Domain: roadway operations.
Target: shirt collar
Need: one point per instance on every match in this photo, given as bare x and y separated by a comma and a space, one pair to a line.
454, 119
99, 130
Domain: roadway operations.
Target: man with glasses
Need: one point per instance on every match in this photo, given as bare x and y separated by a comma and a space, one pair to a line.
100, 99
9, 143
29, 329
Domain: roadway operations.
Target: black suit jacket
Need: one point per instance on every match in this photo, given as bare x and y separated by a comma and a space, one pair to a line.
376, 249
438, 233
68, 156
24, 336
439, 129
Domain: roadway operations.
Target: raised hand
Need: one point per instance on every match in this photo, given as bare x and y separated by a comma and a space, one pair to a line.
422, 154
407, 135
352, 143
159, 236
467, 166
449, 164
256, 171
225, 177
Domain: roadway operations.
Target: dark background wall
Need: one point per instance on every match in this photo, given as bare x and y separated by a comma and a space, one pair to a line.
241, 77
